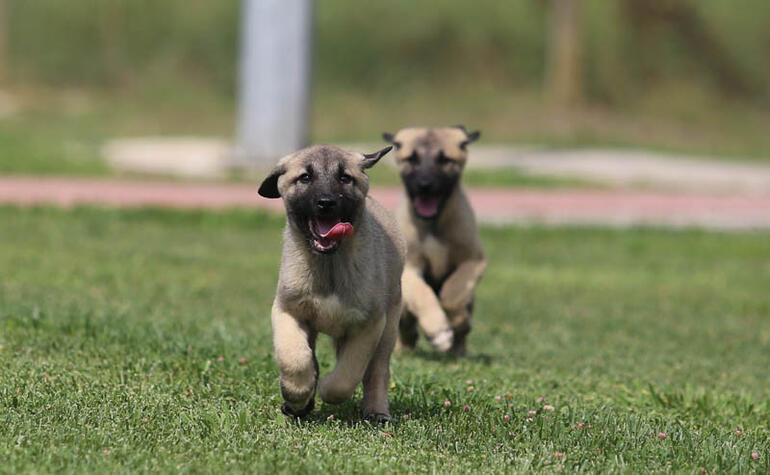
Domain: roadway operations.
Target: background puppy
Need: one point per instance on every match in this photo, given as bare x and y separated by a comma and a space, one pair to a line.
343, 256
445, 259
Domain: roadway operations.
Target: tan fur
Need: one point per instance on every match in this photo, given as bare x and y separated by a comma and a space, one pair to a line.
353, 295
446, 250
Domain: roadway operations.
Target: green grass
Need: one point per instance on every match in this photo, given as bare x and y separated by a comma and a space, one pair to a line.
112, 324
62, 132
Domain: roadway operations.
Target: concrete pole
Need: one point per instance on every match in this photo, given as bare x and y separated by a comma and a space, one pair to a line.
274, 80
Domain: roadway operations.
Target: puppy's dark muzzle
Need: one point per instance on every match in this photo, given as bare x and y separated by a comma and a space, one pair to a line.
326, 205
425, 185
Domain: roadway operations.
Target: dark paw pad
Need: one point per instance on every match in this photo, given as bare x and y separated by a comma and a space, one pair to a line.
301, 413
378, 418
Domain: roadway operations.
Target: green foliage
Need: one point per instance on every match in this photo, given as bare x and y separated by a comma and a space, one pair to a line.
112, 325
387, 47
169, 67
392, 44
91, 42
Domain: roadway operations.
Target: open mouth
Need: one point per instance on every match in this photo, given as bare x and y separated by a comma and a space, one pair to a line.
327, 233
426, 206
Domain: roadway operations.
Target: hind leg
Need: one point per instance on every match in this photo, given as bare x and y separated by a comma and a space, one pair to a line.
377, 377
461, 326
354, 352
407, 332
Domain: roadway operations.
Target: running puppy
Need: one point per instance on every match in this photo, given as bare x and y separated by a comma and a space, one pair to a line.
445, 259
343, 256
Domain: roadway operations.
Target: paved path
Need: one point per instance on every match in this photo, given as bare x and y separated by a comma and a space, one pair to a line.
207, 157
625, 167
499, 206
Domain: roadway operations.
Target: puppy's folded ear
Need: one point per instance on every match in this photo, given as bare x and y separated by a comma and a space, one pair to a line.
390, 138
269, 186
470, 137
371, 158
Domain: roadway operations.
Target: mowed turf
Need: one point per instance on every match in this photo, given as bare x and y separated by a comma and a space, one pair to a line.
141, 340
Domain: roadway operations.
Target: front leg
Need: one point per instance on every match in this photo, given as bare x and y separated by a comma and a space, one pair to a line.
354, 352
457, 300
294, 344
421, 301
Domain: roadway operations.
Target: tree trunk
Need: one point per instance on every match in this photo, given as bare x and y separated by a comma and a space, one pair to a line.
3, 43
563, 74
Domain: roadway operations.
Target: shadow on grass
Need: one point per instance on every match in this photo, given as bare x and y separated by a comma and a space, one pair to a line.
429, 355
403, 405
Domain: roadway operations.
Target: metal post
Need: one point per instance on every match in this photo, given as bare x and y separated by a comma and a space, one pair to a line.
274, 79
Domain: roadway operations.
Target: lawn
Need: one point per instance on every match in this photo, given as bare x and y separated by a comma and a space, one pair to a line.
139, 340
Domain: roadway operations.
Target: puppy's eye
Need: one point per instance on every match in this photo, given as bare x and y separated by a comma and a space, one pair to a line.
442, 159
412, 159
345, 178
304, 178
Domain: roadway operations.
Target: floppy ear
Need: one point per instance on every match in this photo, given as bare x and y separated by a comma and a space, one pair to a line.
371, 158
470, 137
269, 186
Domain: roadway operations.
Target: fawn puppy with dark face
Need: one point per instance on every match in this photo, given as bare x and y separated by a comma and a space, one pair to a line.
343, 256
445, 259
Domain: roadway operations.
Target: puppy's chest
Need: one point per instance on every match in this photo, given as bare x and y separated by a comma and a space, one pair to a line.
437, 255
332, 316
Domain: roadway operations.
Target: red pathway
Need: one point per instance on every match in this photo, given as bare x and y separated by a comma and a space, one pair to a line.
497, 206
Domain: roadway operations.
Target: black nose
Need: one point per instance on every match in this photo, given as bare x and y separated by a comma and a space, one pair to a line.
424, 184
326, 203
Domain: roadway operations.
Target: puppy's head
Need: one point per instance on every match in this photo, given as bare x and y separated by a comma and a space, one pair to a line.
431, 161
324, 191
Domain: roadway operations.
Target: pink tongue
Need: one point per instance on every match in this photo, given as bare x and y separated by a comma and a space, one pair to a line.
426, 206
339, 231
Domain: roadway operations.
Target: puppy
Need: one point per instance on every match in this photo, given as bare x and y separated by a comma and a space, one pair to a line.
445, 259
343, 256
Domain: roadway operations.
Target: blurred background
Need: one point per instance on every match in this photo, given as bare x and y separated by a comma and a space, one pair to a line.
139, 337
679, 76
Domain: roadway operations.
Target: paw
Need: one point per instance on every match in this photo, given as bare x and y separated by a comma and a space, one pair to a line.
287, 410
378, 418
442, 341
